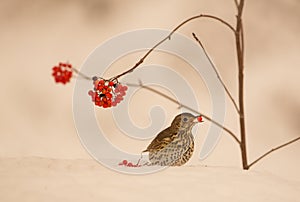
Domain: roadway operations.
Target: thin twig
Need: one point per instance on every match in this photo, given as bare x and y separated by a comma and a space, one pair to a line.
217, 73
241, 8
81, 74
272, 150
169, 37
236, 4
186, 107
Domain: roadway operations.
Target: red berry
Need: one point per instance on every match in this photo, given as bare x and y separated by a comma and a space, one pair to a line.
111, 83
124, 162
68, 74
101, 82
100, 88
200, 119
108, 95
130, 165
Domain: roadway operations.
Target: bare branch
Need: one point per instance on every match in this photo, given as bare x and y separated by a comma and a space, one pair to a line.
81, 74
220, 20
236, 4
272, 150
186, 107
217, 73
169, 37
241, 7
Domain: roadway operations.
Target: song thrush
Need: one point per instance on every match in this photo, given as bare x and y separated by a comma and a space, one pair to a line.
174, 146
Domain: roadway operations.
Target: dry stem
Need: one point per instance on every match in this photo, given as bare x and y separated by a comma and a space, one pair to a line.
169, 37
81, 74
181, 105
217, 73
272, 150
239, 37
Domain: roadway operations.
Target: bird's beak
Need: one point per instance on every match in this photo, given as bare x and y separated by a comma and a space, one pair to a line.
198, 119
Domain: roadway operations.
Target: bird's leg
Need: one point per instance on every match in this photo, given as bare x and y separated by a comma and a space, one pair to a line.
140, 159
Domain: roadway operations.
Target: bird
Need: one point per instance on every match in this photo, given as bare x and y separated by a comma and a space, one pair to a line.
174, 146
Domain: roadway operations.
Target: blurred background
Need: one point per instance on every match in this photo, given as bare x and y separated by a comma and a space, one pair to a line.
36, 114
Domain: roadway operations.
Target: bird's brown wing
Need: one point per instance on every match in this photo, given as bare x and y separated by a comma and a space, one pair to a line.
161, 140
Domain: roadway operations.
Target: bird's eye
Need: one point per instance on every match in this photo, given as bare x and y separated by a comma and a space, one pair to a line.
185, 119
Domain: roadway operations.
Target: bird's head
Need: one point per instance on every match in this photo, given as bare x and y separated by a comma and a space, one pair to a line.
186, 120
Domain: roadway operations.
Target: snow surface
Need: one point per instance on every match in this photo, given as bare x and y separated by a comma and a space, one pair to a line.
43, 179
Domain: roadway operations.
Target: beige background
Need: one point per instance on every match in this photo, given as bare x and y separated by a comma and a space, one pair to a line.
36, 124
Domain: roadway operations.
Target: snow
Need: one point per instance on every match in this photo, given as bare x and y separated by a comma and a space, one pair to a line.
44, 179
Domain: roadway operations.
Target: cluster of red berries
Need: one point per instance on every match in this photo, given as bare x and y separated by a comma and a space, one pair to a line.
62, 73
128, 164
107, 93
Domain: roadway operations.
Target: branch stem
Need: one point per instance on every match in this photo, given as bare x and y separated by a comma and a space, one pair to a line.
218, 75
81, 74
186, 107
236, 4
239, 37
272, 150
169, 37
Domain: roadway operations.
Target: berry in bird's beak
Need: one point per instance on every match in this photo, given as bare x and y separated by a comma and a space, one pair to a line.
199, 119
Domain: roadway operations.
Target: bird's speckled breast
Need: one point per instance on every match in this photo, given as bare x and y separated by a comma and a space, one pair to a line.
176, 152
